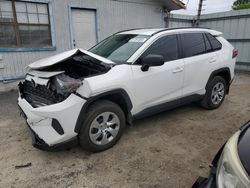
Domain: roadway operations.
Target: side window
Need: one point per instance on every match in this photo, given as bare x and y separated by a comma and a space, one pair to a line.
216, 45
193, 44
208, 45
166, 46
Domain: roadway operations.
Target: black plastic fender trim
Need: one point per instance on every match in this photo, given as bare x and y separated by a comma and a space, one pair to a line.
225, 69
90, 100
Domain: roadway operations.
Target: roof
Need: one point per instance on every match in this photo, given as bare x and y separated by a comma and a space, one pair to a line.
153, 31
170, 4
173, 4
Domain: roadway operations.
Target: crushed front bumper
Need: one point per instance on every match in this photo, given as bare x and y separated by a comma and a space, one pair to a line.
46, 134
40, 144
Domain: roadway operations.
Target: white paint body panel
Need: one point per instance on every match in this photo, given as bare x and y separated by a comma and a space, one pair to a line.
49, 61
158, 85
66, 112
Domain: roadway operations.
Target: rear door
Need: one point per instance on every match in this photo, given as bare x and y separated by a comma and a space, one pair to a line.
198, 59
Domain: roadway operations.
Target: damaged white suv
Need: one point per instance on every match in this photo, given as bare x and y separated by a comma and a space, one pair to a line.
88, 97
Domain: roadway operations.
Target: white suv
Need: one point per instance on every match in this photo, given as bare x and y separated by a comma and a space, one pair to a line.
88, 97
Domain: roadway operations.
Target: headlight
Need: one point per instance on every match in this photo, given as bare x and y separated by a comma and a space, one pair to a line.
65, 85
230, 172
227, 177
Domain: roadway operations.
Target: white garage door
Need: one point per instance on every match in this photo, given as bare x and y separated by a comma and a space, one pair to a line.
84, 28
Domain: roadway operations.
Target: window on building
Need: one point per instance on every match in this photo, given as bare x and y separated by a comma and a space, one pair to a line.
24, 24
166, 46
193, 44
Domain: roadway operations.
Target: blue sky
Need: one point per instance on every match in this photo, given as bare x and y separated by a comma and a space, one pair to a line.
210, 6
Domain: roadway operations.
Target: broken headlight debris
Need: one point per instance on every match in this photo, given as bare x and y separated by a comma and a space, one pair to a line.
39, 95
64, 85
57, 90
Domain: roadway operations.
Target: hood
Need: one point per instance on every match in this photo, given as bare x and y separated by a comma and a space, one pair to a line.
46, 62
244, 147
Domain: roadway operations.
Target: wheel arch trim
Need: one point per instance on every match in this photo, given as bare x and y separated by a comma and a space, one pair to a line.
120, 92
218, 71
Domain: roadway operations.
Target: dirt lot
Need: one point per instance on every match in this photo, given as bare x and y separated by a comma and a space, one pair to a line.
167, 150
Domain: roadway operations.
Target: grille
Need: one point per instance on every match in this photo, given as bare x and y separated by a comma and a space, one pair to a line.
39, 95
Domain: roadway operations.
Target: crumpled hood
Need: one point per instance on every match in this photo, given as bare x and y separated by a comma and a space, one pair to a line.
46, 62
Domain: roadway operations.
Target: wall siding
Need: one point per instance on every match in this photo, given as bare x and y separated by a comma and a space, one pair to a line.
235, 26
177, 20
113, 16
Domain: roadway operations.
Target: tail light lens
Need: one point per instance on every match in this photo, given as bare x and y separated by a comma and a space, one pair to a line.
235, 53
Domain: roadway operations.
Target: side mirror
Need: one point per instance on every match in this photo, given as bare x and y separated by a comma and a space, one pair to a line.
151, 60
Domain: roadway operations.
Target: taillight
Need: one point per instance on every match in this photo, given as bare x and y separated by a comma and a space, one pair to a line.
235, 53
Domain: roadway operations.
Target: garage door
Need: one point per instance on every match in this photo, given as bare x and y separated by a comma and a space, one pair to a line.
84, 28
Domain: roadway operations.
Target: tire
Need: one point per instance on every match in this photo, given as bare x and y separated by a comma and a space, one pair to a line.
103, 126
215, 93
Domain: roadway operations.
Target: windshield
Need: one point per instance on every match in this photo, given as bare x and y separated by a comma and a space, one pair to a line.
119, 48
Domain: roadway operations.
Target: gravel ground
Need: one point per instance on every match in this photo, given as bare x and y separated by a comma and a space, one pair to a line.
166, 150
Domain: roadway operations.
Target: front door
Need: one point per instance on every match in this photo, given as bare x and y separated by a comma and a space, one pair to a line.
160, 84
84, 34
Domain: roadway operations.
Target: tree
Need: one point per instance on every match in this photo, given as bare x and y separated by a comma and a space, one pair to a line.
241, 4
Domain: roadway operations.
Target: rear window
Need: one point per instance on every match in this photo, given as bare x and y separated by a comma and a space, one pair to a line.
216, 45
193, 44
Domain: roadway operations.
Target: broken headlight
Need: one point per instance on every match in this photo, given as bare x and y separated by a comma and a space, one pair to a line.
65, 85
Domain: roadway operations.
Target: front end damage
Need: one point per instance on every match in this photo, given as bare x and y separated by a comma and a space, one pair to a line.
49, 101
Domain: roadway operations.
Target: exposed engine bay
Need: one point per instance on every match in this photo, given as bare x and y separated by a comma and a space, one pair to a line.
53, 84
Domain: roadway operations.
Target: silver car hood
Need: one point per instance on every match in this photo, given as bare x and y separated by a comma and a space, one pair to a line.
46, 62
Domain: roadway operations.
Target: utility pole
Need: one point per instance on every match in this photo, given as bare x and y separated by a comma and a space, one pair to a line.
166, 18
197, 23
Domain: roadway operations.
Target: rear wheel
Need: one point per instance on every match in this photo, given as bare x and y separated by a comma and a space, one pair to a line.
103, 126
215, 94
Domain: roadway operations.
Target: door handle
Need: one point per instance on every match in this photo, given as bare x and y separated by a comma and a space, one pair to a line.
212, 60
178, 69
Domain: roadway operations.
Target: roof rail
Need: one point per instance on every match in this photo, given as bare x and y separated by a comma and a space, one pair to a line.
132, 30
163, 29
169, 29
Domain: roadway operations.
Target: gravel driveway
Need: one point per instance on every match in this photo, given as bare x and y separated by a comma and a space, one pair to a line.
166, 150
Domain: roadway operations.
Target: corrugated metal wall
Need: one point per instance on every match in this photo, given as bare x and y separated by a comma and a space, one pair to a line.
114, 15
235, 26
178, 20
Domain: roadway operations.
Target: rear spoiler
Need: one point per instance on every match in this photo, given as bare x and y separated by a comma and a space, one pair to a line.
215, 33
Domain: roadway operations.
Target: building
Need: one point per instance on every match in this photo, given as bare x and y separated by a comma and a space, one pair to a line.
34, 29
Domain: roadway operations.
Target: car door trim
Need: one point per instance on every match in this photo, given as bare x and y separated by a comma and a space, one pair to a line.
167, 106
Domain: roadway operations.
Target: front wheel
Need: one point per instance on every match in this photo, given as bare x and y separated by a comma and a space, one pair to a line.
103, 126
215, 94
